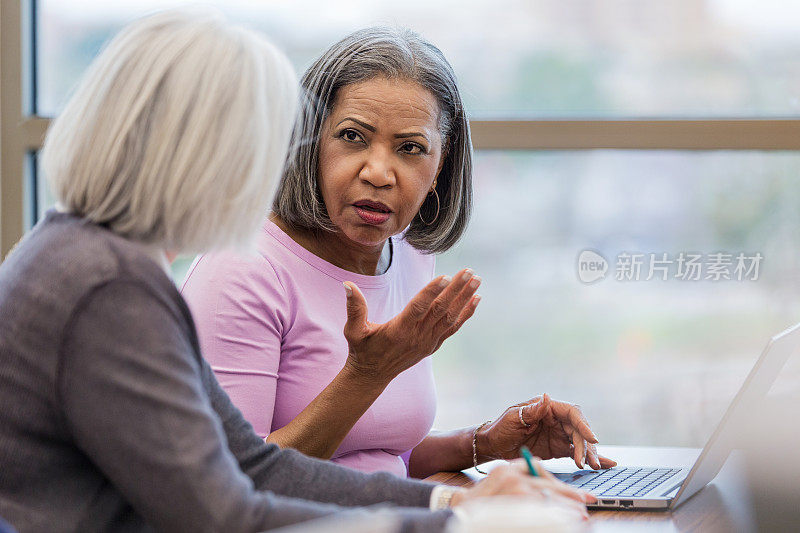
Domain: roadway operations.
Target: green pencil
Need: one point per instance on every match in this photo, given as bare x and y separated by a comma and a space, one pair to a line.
526, 454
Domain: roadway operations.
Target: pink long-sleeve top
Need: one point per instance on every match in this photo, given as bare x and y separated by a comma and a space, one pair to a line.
271, 326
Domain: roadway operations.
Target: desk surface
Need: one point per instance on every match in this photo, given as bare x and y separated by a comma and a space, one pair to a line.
722, 506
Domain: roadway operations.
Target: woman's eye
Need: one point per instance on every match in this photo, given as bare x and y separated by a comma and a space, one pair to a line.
350, 135
412, 148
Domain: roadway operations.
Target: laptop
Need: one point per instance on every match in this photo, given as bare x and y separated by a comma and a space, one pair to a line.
663, 487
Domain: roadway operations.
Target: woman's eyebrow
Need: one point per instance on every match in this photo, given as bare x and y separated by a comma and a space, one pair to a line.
410, 134
359, 122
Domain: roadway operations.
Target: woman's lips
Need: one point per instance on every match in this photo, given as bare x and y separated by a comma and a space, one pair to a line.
369, 216
372, 212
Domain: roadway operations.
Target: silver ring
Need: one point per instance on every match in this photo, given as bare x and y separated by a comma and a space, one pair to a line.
519, 411
546, 494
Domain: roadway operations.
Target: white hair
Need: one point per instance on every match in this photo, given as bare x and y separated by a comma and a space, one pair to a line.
176, 133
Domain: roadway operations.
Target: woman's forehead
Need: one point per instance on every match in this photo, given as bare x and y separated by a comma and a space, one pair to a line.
387, 100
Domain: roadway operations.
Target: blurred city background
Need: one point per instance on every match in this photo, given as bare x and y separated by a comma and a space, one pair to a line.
650, 362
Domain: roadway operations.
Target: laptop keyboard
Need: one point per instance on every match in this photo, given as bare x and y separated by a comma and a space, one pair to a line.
625, 482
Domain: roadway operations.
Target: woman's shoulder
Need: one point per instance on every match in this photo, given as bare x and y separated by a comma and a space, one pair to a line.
66, 264
237, 275
242, 287
70, 253
269, 255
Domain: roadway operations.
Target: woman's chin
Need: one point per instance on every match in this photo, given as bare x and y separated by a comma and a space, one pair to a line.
368, 236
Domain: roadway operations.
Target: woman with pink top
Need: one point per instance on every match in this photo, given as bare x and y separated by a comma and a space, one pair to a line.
381, 179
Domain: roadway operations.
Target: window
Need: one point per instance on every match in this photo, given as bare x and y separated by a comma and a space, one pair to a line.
615, 126
584, 58
651, 362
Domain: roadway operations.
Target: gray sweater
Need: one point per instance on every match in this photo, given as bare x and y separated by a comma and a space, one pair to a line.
110, 419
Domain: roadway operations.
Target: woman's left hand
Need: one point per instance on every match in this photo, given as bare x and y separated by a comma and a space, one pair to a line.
549, 428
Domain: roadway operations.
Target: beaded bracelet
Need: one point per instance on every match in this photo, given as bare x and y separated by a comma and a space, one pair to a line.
475, 447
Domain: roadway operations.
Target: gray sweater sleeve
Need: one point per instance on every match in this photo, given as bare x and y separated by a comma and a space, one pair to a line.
130, 387
289, 472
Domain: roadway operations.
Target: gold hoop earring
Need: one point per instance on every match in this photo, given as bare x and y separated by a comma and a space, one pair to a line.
419, 213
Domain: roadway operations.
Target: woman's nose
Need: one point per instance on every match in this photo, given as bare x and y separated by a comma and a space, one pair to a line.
378, 171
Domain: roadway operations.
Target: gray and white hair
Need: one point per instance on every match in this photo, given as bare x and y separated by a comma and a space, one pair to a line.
363, 55
177, 133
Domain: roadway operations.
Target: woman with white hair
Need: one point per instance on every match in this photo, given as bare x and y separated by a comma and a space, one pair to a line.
111, 419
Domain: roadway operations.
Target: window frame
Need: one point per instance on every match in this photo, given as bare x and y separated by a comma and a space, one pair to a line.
23, 129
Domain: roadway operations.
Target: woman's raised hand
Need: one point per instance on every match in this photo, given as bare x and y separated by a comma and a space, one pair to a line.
548, 427
382, 351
